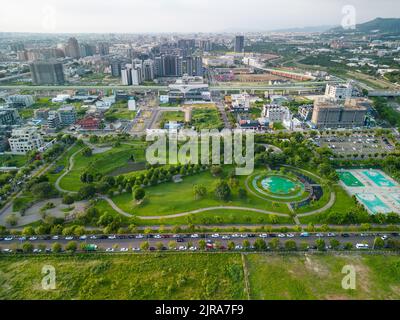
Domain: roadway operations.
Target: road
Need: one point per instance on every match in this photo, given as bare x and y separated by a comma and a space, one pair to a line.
129, 241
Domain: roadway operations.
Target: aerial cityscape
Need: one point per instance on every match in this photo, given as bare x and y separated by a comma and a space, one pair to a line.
253, 162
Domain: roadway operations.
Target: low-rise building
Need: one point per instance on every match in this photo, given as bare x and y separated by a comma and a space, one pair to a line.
275, 113
67, 115
20, 100
24, 140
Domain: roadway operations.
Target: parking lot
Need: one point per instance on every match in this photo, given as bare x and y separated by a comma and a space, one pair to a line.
366, 145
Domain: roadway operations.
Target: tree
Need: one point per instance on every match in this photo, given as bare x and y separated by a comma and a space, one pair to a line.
231, 245
379, 243
199, 191
202, 244
87, 152
56, 247
242, 193
260, 245
139, 194
145, 246
27, 247
335, 244
159, 245
216, 170
320, 243
68, 199
43, 190
274, 244
290, 245
222, 191
246, 244
87, 192
28, 231
348, 246
71, 246
171, 245
12, 220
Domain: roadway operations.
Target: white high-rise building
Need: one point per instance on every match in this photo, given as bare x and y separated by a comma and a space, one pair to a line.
339, 92
24, 140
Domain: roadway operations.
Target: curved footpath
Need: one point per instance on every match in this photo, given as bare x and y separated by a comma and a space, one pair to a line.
70, 166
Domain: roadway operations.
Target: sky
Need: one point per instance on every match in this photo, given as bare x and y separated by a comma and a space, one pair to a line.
142, 16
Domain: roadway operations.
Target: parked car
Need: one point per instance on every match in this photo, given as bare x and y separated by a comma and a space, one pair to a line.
194, 235
215, 235
69, 238
304, 234
110, 250
112, 237
362, 246
33, 238
124, 249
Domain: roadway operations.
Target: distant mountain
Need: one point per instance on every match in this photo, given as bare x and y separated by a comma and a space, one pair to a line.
310, 29
378, 25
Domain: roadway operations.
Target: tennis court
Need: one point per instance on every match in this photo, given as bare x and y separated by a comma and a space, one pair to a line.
349, 179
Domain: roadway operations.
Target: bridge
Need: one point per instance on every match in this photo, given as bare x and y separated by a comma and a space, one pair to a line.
384, 93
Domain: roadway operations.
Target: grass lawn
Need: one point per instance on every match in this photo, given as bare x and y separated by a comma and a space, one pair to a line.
11, 160
152, 276
169, 198
120, 111
343, 203
102, 162
319, 277
167, 116
206, 118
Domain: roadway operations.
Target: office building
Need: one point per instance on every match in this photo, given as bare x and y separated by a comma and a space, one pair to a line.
47, 73
20, 100
72, 49
9, 116
53, 120
275, 113
339, 92
148, 70
87, 50
24, 140
333, 114
103, 48
67, 115
239, 44
116, 67
41, 114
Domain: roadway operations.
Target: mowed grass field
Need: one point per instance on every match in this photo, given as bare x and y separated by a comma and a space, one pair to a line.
169, 198
200, 276
104, 163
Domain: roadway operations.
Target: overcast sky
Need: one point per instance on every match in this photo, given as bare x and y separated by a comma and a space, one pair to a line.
138, 16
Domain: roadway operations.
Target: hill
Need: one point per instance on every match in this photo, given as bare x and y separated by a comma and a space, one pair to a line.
378, 25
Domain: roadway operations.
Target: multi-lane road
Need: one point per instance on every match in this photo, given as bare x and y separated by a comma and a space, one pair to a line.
185, 241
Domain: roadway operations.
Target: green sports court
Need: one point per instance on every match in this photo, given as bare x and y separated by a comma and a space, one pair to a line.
349, 179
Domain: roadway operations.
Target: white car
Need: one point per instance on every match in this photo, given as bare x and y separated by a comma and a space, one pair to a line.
93, 237
193, 248
384, 237
182, 248
238, 247
281, 235
37, 251
69, 238
319, 235
235, 235
194, 235
83, 237
290, 235
331, 234
110, 250
32, 238
135, 249
244, 235
112, 237
7, 250
55, 237
362, 246
124, 249
225, 237
215, 235
263, 235
139, 236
